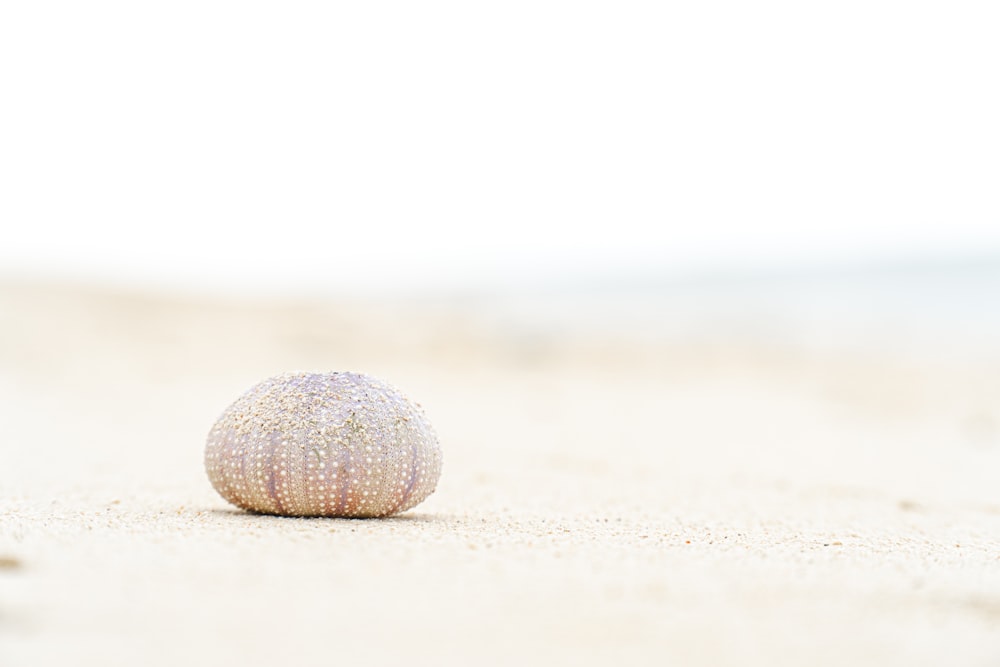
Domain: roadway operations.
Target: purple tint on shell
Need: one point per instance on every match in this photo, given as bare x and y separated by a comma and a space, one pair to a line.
323, 444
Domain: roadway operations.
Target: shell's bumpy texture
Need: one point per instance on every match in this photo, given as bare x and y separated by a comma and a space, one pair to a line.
323, 444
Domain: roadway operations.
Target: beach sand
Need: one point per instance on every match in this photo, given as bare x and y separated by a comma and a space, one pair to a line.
606, 498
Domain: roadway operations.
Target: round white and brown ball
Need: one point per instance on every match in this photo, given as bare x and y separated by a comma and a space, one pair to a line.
323, 444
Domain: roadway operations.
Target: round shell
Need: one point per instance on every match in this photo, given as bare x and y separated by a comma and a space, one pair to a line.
323, 444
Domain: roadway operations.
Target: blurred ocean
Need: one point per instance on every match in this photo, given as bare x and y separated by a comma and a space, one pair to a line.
932, 310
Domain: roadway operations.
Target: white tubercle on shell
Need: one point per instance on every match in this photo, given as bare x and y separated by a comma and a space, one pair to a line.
323, 444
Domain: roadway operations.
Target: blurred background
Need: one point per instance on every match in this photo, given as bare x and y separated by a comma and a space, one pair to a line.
837, 165
713, 271
334, 150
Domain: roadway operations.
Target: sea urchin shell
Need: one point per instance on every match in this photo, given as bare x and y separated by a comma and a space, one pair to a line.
323, 444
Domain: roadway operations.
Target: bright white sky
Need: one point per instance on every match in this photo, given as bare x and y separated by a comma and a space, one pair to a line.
340, 146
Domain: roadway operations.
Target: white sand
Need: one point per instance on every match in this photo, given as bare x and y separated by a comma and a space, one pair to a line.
604, 501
